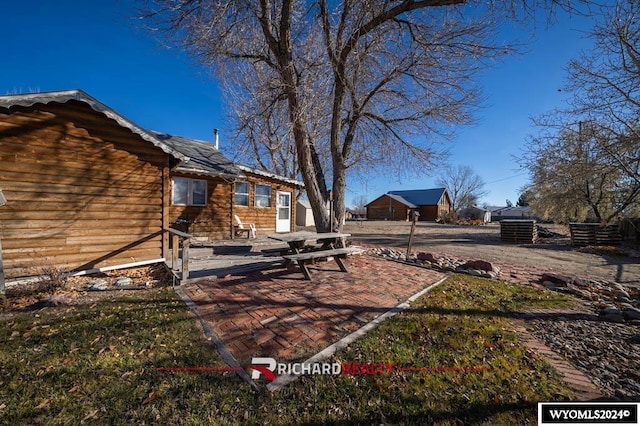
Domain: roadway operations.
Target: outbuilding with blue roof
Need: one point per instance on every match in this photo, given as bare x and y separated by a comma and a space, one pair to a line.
431, 203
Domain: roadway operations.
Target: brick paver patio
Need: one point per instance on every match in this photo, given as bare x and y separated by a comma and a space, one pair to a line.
277, 313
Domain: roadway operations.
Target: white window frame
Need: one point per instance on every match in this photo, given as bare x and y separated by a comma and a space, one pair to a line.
235, 193
256, 195
190, 188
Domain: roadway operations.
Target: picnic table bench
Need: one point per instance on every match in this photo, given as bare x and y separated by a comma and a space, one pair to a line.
302, 253
307, 258
276, 251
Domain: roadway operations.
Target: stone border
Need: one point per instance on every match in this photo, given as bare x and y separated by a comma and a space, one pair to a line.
220, 346
611, 300
579, 383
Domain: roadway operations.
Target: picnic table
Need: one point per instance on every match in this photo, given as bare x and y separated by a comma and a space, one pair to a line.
300, 251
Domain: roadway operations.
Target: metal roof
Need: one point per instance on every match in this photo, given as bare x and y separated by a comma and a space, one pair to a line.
505, 211
420, 197
30, 99
204, 158
402, 200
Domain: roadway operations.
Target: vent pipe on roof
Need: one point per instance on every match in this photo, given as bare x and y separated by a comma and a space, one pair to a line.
215, 136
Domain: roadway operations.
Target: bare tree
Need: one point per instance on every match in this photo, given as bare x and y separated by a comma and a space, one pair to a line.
574, 178
605, 82
605, 86
594, 171
361, 83
359, 203
465, 187
259, 113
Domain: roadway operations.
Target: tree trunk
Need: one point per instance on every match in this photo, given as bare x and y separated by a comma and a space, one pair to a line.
596, 212
339, 186
310, 167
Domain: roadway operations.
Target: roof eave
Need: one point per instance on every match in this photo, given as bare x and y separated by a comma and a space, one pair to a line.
201, 172
31, 99
271, 175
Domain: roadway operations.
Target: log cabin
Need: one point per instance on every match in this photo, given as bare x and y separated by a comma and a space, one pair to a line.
208, 191
87, 188
397, 205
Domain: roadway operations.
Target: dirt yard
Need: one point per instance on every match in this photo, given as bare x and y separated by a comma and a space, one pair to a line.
620, 264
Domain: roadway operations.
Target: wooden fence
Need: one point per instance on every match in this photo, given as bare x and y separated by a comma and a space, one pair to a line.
630, 230
592, 234
518, 231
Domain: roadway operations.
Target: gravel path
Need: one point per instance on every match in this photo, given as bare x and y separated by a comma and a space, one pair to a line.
608, 353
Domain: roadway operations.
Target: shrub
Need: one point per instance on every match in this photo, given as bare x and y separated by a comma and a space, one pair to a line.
52, 278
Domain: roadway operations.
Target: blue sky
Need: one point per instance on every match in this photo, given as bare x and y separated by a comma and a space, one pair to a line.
98, 46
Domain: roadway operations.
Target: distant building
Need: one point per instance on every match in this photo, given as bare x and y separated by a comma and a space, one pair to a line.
398, 205
304, 214
517, 212
475, 213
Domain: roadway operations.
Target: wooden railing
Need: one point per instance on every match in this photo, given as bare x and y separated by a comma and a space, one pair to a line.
176, 238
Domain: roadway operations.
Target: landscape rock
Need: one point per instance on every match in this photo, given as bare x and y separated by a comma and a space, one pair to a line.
98, 285
481, 265
632, 313
604, 350
580, 282
611, 311
123, 281
550, 285
580, 292
613, 317
618, 286
428, 257
622, 296
557, 279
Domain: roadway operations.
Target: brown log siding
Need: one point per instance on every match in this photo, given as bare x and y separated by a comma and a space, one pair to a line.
265, 217
386, 208
214, 220
379, 210
82, 191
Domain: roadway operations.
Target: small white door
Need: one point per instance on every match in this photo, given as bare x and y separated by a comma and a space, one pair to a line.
283, 212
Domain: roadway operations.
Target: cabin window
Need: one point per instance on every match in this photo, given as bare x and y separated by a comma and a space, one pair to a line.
242, 194
263, 195
189, 192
